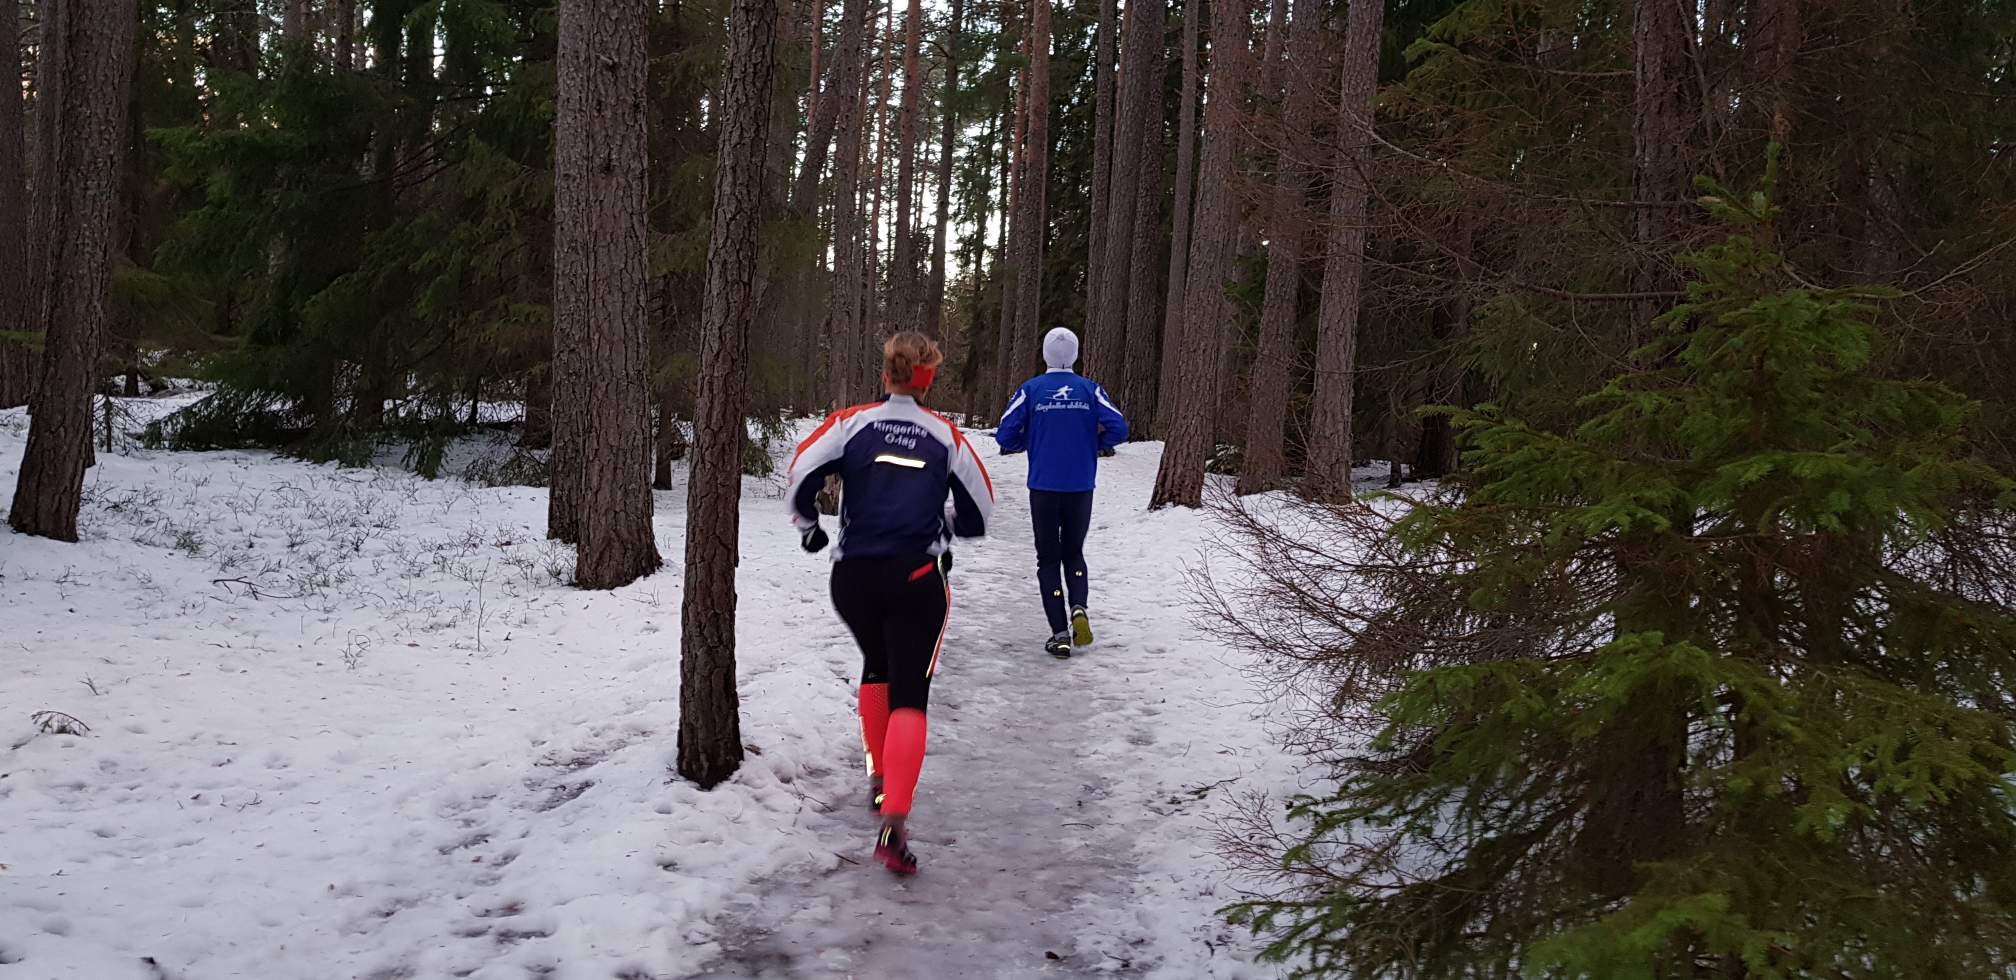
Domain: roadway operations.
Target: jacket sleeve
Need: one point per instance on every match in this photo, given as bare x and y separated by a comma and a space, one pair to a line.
1013, 432
1112, 424
818, 457
972, 490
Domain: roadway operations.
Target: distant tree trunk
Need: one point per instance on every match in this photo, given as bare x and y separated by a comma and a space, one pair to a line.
600, 284
1007, 372
1143, 315
538, 430
1642, 811
1032, 222
1437, 455
85, 75
1106, 344
1177, 289
1265, 463
1666, 113
1330, 428
1180, 481
17, 362
710, 728
842, 90
566, 380
294, 20
867, 365
1104, 146
934, 293
815, 39
344, 12
671, 442
1786, 32
849, 288
904, 308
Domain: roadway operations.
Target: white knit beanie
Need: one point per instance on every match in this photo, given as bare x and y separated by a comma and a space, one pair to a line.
1060, 348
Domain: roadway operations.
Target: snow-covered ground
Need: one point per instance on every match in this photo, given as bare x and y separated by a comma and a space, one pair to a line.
352, 723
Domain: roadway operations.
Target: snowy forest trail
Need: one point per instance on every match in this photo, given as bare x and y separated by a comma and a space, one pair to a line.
343, 723
1020, 839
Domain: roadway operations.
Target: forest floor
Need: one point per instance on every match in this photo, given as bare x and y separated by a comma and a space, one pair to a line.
351, 723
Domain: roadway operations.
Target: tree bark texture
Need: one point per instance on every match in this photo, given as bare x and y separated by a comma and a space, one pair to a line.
85, 76
600, 285
1666, 113
875, 308
1273, 359
17, 362
1144, 317
1330, 428
1106, 336
1103, 148
344, 12
1180, 481
1007, 372
1177, 288
849, 289
904, 309
1032, 222
710, 732
934, 292
842, 90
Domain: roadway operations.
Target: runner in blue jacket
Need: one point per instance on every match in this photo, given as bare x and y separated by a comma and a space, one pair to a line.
1065, 423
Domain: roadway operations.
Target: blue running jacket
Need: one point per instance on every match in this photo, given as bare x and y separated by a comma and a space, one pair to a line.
1064, 421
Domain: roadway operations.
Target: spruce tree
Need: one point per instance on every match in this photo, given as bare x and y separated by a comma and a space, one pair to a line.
1778, 578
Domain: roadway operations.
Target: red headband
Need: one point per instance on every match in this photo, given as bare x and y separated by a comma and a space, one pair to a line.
921, 377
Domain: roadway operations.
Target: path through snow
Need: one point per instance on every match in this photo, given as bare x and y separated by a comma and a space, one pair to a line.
350, 724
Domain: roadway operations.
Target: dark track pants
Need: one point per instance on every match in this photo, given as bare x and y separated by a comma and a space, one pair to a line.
897, 609
1061, 520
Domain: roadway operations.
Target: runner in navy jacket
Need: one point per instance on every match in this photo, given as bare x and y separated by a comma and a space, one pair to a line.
1065, 423
898, 464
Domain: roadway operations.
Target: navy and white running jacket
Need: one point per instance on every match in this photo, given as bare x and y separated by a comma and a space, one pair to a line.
896, 462
1064, 421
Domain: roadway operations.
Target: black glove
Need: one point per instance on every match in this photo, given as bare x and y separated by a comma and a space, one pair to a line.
945, 563
1108, 452
813, 539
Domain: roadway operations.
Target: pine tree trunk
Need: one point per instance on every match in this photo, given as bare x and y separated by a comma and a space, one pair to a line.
1265, 462
344, 12
1177, 289
17, 362
670, 443
1180, 481
1639, 817
600, 284
85, 76
849, 289
1665, 117
1330, 426
815, 41
875, 311
904, 309
1006, 371
1104, 147
538, 430
1032, 222
1106, 338
934, 293
1144, 318
842, 90
710, 730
